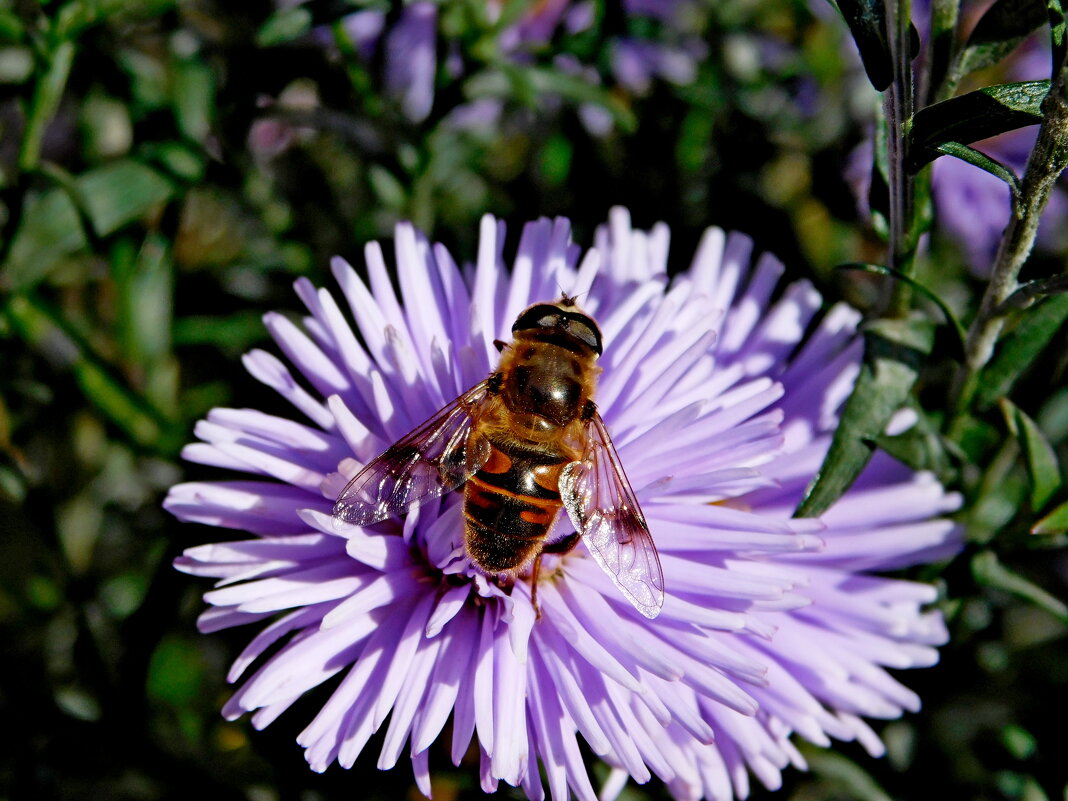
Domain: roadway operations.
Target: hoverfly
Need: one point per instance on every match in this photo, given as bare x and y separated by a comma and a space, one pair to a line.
524, 443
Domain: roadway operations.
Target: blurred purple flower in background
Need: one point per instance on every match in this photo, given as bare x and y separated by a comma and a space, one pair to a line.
972, 206
721, 408
411, 43
412, 60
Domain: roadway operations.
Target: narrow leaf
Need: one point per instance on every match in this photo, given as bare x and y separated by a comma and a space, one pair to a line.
1032, 290
1042, 468
1004, 25
110, 197
879, 190
951, 318
1019, 349
983, 162
1056, 522
867, 23
923, 446
976, 115
41, 326
47, 94
193, 87
1055, 10
988, 571
894, 352
50, 228
283, 26
145, 285
120, 192
844, 775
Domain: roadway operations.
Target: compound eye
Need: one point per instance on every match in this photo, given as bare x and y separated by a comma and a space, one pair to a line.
540, 316
586, 335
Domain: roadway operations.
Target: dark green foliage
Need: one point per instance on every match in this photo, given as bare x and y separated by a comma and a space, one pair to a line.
1021, 347
976, 115
867, 22
999, 31
894, 352
1043, 471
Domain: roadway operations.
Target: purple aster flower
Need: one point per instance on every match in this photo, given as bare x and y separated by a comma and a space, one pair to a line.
720, 388
411, 59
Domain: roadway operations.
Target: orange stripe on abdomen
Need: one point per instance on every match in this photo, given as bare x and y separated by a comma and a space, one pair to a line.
512, 514
510, 506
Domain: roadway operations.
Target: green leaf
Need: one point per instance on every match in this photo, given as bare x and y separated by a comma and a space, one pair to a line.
1026, 294
389, 190
1018, 741
923, 447
1057, 28
110, 196
893, 354
951, 318
177, 160
988, 571
983, 162
11, 27
867, 23
1042, 468
1004, 25
976, 115
145, 284
879, 189
47, 94
194, 97
41, 326
283, 26
121, 192
1053, 416
50, 229
1056, 522
149, 80
1019, 349
846, 779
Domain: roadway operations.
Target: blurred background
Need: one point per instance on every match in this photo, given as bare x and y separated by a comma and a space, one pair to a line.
169, 167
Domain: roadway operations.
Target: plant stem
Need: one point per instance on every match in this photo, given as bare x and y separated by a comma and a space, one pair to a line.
898, 106
944, 20
1046, 162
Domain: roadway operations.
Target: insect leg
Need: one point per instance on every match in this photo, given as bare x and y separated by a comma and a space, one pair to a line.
534, 586
560, 546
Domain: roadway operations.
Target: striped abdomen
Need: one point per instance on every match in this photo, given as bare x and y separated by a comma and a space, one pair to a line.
510, 506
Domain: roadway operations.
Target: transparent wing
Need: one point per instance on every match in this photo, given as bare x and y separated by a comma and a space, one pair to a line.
438, 456
601, 504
